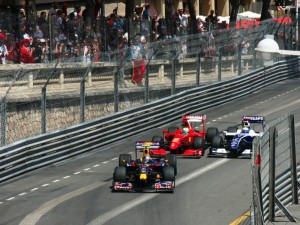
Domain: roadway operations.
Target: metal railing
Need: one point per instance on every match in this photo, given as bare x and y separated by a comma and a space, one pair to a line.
29, 154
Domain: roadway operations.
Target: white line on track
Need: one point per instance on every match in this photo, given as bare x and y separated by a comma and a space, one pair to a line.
114, 159
87, 169
34, 189
105, 162
137, 201
9, 199
55, 181
76, 173
1, 203
24, 193
66, 177
96, 165
45, 185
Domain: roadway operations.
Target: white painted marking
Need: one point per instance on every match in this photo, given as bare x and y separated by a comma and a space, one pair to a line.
21, 194
96, 165
66, 177
214, 120
44, 185
1, 203
34, 217
129, 152
105, 162
55, 181
114, 159
34, 189
137, 201
87, 169
219, 118
77, 173
9, 199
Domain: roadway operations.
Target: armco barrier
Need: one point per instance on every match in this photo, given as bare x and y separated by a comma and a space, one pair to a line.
32, 153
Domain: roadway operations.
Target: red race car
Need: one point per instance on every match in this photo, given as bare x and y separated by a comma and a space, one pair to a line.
191, 140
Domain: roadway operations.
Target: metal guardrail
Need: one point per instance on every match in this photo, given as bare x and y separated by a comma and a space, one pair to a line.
32, 153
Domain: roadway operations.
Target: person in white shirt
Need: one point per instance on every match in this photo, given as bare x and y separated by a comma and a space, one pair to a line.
3, 48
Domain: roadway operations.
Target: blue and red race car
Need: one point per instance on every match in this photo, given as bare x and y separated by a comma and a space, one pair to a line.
145, 173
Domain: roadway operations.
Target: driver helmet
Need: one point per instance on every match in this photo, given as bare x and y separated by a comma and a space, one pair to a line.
185, 130
146, 159
245, 130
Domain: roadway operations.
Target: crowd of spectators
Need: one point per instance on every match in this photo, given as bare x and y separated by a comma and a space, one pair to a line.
55, 34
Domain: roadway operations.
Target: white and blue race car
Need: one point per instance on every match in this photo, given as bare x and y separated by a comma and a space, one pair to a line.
237, 140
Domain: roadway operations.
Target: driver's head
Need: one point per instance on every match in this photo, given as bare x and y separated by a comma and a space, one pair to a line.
146, 159
245, 130
185, 130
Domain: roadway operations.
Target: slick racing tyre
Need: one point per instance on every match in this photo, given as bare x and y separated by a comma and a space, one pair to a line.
172, 161
124, 158
217, 142
168, 173
120, 174
198, 143
210, 133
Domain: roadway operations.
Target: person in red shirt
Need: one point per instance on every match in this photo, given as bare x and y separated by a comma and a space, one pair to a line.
26, 52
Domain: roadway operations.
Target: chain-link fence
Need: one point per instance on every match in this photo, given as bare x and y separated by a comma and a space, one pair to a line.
274, 170
39, 98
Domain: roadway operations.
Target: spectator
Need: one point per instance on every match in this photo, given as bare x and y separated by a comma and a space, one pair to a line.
3, 49
146, 15
26, 52
137, 18
52, 10
43, 23
64, 8
70, 27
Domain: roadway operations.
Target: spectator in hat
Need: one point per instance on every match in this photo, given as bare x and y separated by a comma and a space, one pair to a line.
26, 52
3, 48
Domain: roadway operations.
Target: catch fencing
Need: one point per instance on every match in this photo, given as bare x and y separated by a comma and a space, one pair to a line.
275, 171
29, 154
41, 98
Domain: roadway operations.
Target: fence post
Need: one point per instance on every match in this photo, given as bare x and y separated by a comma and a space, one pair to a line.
116, 90
43, 109
82, 100
61, 78
239, 59
3, 122
173, 76
147, 83
220, 64
198, 69
272, 174
293, 159
254, 58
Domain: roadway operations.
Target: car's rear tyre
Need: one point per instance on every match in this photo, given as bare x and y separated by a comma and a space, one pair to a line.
231, 129
198, 143
172, 161
210, 133
168, 173
124, 158
120, 174
217, 142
